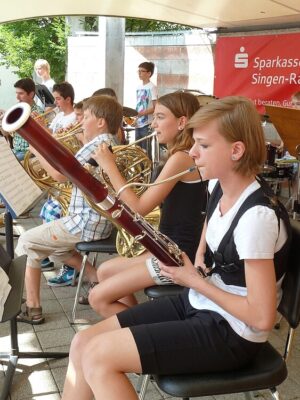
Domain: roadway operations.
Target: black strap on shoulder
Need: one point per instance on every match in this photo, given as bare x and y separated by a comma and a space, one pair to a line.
256, 198
214, 199
262, 196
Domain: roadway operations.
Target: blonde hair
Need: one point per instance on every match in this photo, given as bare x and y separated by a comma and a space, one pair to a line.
181, 104
41, 63
106, 107
237, 120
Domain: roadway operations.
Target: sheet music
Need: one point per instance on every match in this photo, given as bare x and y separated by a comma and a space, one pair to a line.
18, 190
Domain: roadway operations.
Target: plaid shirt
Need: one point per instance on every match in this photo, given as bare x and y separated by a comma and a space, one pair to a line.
20, 144
81, 217
51, 210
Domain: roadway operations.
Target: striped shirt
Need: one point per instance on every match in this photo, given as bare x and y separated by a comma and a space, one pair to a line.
81, 217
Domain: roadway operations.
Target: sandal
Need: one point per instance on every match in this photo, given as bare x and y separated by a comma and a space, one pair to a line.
31, 315
84, 300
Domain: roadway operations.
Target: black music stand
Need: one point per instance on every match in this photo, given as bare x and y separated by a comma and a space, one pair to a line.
287, 123
44, 94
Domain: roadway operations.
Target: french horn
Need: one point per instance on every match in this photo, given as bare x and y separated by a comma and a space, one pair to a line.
136, 168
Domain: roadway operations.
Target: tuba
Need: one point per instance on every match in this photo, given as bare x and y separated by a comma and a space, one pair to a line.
18, 118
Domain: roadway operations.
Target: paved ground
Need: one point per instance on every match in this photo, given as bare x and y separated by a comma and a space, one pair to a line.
42, 379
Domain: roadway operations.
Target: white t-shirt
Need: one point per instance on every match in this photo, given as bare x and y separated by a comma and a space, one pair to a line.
62, 121
256, 237
49, 84
145, 94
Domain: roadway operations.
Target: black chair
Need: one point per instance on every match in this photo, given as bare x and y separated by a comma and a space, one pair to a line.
154, 292
97, 246
267, 370
15, 270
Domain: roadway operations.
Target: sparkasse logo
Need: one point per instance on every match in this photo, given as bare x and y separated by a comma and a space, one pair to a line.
241, 59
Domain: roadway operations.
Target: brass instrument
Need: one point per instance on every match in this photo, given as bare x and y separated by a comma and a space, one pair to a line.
136, 168
129, 121
126, 244
46, 117
58, 190
134, 165
68, 137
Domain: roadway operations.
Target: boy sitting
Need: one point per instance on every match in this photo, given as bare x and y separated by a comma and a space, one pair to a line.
102, 119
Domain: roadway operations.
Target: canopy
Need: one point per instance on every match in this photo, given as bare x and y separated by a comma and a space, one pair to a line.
229, 14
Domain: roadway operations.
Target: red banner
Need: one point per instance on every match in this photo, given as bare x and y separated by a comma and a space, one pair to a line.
264, 68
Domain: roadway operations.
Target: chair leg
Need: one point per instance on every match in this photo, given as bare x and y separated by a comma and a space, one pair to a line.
144, 386
13, 361
95, 260
15, 354
80, 279
275, 394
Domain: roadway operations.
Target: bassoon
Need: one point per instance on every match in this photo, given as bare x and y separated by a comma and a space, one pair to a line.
18, 118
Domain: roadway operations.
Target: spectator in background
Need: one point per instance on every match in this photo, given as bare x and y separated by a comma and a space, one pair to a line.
146, 95
42, 69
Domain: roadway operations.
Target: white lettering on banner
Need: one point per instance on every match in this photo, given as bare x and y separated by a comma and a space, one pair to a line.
260, 102
269, 80
277, 62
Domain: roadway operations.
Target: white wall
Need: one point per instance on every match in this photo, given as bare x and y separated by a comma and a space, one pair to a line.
86, 55
7, 90
86, 65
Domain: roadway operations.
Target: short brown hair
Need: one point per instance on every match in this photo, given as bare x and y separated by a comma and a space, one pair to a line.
65, 89
181, 104
108, 108
106, 91
148, 66
238, 120
26, 84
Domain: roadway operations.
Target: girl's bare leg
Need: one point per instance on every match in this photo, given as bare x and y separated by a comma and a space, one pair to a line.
105, 362
105, 297
116, 265
99, 356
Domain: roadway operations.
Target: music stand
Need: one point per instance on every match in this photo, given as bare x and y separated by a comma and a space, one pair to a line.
287, 123
44, 94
